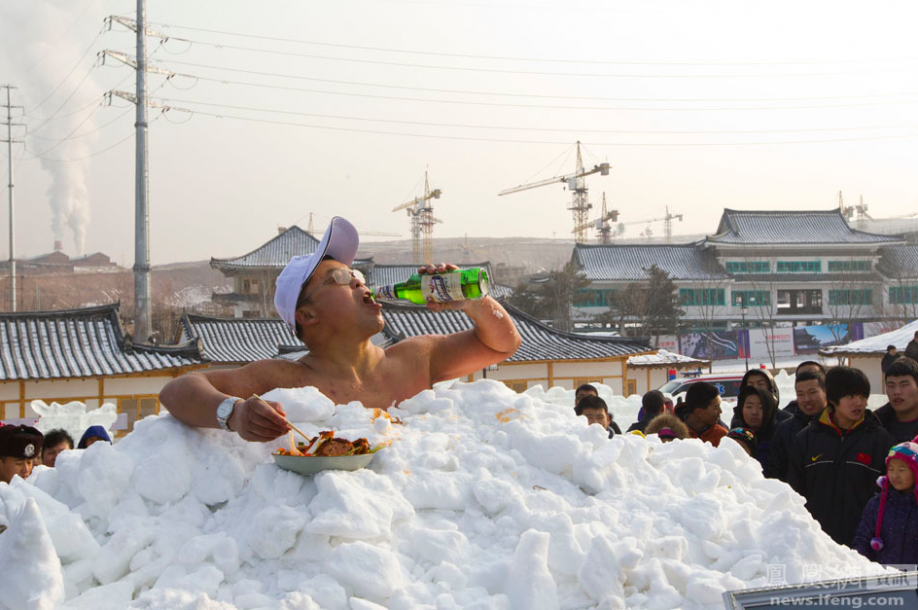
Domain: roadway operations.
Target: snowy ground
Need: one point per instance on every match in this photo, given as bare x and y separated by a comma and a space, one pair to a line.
485, 499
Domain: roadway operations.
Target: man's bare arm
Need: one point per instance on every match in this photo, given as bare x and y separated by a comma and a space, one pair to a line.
193, 399
493, 339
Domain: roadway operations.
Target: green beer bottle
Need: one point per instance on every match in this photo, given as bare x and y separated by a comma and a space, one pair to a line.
456, 285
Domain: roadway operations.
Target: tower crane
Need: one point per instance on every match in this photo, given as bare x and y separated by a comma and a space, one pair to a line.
667, 221
849, 210
422, 222
576, 183
601, 224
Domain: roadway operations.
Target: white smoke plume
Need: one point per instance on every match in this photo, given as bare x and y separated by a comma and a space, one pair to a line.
43, 40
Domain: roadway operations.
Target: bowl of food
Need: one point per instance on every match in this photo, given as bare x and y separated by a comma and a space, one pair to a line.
325, 452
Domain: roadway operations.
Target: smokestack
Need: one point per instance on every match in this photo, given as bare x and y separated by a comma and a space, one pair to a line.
58, 245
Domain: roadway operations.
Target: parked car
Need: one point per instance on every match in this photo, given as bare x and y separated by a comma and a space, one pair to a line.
728, 385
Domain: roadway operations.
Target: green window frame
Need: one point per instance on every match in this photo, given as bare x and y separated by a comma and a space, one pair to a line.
751, 298
748, 267
798, 267
849, 265
692, 297
903, 295
851, 297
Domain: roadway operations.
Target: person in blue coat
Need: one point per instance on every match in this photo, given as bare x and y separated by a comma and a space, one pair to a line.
93, 434
888, 532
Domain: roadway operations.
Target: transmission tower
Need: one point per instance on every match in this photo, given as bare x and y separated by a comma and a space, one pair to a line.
9, 147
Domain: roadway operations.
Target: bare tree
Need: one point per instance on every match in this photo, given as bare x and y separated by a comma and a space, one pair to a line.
761, 300
850, 297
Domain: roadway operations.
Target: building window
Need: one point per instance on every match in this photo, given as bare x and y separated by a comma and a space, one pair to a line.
849, 265
851, 297
799, 267
901, 295
691, 297
591, 297
751, 298
792, 302
748, 267
249, 286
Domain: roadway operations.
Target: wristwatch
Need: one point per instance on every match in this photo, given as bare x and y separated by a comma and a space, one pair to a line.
225, 410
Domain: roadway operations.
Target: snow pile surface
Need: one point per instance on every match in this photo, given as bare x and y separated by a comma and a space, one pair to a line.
485, 499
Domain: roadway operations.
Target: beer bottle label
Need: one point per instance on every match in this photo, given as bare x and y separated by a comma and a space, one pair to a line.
442, 288
384, 293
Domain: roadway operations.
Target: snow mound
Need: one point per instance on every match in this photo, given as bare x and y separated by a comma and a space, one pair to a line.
485, 499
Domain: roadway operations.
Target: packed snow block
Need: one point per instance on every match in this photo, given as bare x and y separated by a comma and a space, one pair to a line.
115, 596
274, 530
164, 476
341, 506
69, 534
114, 558
494, 495
438, 490
530, 585
303, 404
103, 477
601, 574
30, 571
437, 545
369, 571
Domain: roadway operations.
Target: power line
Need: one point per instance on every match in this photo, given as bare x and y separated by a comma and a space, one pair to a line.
380, 62
170, 101
544, 96
553, 143
491, 104
509, 58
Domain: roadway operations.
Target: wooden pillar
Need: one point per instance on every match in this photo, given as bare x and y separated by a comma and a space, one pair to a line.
101, 390
551, 375
648, 379
21, 399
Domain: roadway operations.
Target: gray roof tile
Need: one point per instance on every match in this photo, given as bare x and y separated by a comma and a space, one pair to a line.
631, 262
540, 342
276, 253
238, 340
789, 227
77, 343
899, 262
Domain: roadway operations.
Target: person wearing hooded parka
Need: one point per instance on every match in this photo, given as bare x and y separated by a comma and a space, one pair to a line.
756, 410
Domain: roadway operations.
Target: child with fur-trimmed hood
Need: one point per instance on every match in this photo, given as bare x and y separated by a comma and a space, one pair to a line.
888, 532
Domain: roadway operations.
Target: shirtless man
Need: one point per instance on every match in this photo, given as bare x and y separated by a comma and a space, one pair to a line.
330, 311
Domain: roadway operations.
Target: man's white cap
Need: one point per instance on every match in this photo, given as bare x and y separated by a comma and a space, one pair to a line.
339, 242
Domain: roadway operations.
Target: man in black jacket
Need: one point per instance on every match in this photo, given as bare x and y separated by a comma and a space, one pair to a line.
651, 405
836, 459
900, 415
810, 386
911, 350
889, 357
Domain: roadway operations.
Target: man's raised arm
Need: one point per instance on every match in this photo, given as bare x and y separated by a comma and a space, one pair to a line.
493, 339
194, 398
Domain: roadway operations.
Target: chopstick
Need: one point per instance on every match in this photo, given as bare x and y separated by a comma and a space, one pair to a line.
297, 430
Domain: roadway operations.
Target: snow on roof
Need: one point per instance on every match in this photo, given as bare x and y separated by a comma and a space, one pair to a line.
275, 253
87, 342
664, 358
791, 227
876, 344
484, 499
899, 262
238, 340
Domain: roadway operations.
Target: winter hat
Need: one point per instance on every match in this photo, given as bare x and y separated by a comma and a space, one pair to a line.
22, 442
908, 453
745, 436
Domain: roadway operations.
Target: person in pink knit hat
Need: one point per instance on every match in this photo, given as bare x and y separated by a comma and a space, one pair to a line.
888, 532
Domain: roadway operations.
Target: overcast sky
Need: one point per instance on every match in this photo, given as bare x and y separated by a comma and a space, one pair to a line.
339, 107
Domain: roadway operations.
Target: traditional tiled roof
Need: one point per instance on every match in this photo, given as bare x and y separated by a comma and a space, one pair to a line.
610, 263
238, 340
540, 342
385, 275
276, 253
790, 227
78, 343
899, 262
